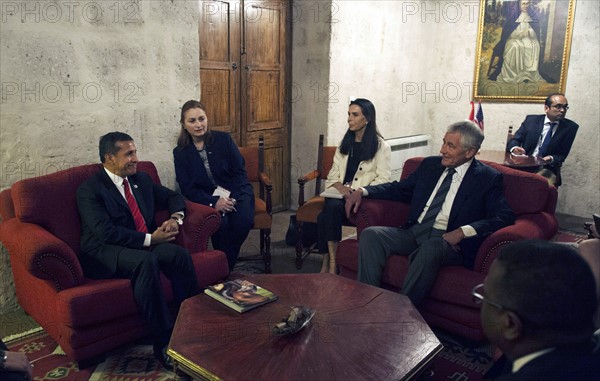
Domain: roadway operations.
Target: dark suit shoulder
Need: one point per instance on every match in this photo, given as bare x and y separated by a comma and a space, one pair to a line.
220, 138
484, 168
570, 123
141, 177
94, 181
431, 162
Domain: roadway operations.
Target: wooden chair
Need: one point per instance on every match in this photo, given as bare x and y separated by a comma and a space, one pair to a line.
255, 164
309, 211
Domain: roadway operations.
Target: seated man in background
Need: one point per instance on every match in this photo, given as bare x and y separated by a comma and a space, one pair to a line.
548, 136
538, 303
455, 202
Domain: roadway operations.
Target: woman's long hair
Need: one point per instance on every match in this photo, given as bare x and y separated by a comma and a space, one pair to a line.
370, 139
185, 138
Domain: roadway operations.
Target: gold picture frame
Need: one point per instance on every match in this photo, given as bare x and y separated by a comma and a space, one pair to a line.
523, 49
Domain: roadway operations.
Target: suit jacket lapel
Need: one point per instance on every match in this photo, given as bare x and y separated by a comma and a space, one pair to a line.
112, 189
537, 132
467, 186
561, 130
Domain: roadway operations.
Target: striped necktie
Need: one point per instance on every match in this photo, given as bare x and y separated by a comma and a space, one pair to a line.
423, 229
140, 224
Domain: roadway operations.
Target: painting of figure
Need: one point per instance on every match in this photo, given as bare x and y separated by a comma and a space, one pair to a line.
523, 49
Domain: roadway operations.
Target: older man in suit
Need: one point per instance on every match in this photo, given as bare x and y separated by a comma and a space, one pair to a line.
120, 239
538, 303
548, 136
455, 201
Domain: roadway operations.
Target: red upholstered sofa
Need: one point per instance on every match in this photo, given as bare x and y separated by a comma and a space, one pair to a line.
40, 229
449, 305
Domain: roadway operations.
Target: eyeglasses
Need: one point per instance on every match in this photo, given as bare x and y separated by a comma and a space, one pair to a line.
559, 107
478, 297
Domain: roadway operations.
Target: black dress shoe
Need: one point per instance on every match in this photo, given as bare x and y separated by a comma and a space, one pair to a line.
160, 353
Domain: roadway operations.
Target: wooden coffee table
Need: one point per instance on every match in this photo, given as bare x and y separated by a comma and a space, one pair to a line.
359, 332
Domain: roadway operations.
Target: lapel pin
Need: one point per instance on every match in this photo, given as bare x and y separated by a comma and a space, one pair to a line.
135, 186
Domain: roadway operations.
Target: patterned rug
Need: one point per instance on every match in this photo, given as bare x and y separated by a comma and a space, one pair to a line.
134, 363
462, 362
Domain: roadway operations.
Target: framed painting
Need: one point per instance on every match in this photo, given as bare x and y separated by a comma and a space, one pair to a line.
523, 49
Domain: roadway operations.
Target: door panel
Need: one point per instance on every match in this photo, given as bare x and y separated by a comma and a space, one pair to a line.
219, 60
263, 81
263, 100
220, 105
243, 47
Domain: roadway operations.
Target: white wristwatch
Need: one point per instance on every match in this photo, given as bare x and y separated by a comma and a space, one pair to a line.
178, 219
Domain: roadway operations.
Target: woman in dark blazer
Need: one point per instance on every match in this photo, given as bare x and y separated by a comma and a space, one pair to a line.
210, 170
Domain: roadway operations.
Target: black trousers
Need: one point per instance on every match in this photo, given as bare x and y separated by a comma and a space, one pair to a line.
143, 268
234, 229
331, 219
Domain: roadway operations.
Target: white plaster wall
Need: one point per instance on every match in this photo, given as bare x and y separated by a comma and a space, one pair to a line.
310, 87
73, 71
415, 60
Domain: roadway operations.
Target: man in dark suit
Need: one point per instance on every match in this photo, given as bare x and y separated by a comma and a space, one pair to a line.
532, 137
538, 303
120, 239
455, 201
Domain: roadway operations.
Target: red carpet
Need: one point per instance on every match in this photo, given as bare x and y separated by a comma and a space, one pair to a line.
49, 362
135, 363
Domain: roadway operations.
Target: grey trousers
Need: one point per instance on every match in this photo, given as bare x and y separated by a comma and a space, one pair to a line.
377, 243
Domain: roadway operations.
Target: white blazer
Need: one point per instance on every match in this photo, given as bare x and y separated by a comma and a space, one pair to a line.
372, 172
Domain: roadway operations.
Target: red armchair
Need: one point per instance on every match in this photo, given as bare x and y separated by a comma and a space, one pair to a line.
40, 229
449, 305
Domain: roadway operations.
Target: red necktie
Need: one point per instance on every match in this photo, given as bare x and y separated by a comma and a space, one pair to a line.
140, 224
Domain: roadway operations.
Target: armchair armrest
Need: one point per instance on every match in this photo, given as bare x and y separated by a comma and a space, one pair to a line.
266, 189
379, 213
525, 227
42, 254
312, 175
308, 177
200, 223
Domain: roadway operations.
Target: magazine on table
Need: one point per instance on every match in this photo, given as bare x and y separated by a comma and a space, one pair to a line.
240, 295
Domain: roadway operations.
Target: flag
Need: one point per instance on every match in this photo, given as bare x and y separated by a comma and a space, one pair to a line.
477, 117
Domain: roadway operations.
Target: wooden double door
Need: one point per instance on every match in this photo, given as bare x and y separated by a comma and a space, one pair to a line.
243, 70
